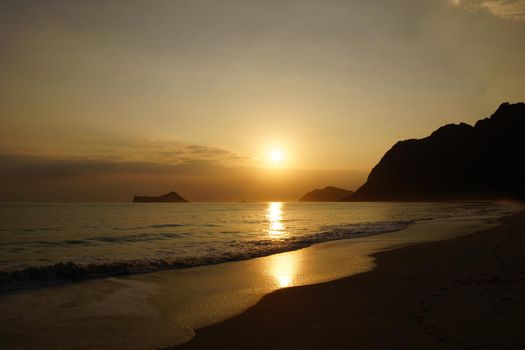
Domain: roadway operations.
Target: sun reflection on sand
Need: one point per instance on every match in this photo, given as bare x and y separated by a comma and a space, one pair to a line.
283, 267
274, 215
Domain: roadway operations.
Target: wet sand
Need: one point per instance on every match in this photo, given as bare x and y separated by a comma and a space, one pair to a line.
465, 293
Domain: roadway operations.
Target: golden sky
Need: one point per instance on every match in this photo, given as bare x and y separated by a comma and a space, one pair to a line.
100, 100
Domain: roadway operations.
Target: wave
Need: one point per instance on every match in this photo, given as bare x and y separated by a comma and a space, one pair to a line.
63, 272
167, 225
138, 237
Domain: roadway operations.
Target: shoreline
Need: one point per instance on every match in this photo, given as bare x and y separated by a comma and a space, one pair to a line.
158, 310
458, 293
68, 263
65, 273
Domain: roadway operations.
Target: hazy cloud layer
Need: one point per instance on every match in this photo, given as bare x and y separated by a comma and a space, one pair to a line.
42, 168
505, 9
146, 151
178, 153
197, 172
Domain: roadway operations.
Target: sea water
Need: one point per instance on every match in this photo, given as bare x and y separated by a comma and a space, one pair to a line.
42, 241
160, 309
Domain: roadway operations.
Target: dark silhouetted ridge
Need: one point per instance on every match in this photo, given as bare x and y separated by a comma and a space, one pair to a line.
172, 197
484, 161
327, 194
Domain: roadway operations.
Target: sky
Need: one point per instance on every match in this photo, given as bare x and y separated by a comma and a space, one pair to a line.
101, 100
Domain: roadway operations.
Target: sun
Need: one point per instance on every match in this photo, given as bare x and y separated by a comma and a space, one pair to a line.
276, 156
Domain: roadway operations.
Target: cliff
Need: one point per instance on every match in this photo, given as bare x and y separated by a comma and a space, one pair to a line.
484, 161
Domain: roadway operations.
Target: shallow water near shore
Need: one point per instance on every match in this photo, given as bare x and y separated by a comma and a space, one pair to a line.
46, 243
164, 308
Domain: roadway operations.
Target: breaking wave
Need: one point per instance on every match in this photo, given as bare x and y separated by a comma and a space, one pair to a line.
236, 250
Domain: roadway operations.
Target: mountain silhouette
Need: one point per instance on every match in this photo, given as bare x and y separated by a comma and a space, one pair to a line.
484, 161
171, 197
327, 194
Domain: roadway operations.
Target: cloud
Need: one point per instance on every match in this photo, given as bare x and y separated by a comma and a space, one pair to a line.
193, 170
146, 157
504, 9
199, 173
171, 153
130, 157
33, 178
43, 168
119, 171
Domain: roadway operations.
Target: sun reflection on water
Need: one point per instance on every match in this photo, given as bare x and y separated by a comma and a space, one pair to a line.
282, 267
274, 214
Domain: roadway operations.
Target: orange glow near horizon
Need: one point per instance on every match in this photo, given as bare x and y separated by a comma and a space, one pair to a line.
217, 116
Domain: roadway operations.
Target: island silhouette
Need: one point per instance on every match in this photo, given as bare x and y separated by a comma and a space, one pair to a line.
327, 194
171, 197
456, 162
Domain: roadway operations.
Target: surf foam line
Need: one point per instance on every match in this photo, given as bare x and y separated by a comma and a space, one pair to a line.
69, 271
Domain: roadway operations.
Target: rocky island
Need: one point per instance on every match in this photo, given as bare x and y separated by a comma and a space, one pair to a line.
171, 197
327, 194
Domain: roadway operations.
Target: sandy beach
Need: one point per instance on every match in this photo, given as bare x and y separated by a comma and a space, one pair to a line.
465, 293
162, 309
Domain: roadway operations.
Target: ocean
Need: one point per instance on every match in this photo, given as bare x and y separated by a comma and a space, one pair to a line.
42, 242
108, 246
